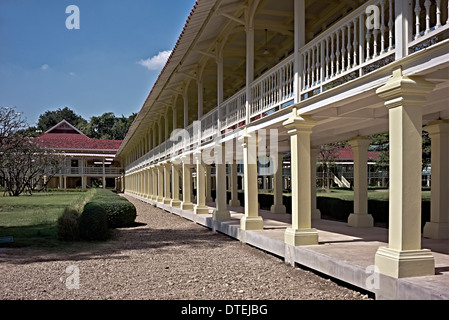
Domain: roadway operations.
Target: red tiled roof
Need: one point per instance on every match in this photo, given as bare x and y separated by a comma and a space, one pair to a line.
76, 141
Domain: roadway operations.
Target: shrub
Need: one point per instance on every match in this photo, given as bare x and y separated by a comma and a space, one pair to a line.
68, 229
119, 213
93, 222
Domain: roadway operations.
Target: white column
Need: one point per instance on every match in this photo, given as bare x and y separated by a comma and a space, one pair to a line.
278, 206
301, 231
167, 169
200, 206
208, 185
438, 226
175, 185
234, 202
316, 213
186, 203
360, 217
251, 220
221, 212
160, 183
403, 257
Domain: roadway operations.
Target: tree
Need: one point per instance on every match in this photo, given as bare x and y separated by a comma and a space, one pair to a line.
108, 126
328, 154
49, 119
381, 143
22, 161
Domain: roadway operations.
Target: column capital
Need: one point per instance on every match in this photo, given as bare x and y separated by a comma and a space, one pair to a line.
403, 90
360, 141
296, 123
437, 126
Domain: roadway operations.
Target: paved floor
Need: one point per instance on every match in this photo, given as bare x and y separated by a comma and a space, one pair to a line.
345, 253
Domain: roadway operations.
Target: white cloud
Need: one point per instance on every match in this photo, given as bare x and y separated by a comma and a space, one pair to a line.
72, 74
44, 67
156, 62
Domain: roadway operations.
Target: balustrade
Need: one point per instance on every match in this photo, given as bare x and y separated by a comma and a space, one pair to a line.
347, 50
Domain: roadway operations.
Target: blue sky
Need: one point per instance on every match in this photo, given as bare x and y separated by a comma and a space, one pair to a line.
108, 65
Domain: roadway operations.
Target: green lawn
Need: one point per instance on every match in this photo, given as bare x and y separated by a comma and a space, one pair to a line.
33, 219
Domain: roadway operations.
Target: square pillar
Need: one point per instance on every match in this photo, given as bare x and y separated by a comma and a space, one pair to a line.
316, 213
251, 220
154, 178
278, 206
234, 202
175, 185
160, 183
221, 213
200, 207
186, 203
360, 217
404, 257
208, 184
167, 169
301, 231
149, 183
438, 226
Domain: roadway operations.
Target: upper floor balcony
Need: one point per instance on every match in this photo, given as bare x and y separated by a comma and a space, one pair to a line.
301, 59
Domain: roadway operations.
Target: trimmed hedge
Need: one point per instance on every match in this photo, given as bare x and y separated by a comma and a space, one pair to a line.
97, 212
93, 222
337, 209
119, 211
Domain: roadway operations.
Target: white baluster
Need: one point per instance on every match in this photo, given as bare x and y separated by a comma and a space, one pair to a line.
427, 4
367, 37
382, 27
417, 12
318, 64
447, 21
304, 67
349, 46
332, 55
327, 59
338, 53
308, 68
313, 66
438, 24
355, 43
375, 33
343, 49
390, 26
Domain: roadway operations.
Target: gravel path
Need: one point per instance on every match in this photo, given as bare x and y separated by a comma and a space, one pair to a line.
165, 257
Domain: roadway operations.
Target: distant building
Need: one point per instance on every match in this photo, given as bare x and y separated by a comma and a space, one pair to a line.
88, 162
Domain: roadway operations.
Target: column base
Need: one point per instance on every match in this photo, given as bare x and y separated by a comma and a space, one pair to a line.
360, 220
404, 263
159, 199
186, 206
234, 203
200, 209
251, 223
301, 237
436, 230
221, 215
316, 214
175, 203
166, 200
278, 208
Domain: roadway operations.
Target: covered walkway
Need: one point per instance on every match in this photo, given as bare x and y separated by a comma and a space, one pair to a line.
343, 252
